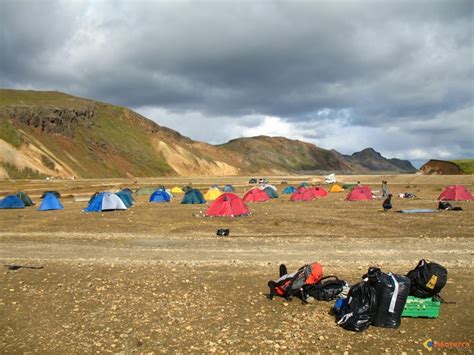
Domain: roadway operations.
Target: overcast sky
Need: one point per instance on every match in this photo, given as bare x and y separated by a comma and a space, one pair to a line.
397, 76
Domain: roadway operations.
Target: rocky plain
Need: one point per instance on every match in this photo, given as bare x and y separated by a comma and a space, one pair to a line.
157, 279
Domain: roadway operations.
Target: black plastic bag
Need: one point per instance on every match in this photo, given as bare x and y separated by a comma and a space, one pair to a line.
392, 292
359, 311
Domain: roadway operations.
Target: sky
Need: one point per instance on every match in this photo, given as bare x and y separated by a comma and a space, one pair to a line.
397, 76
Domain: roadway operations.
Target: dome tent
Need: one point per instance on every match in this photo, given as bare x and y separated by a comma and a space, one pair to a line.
360, 193
302, 195
228, 188
212, 194
128, 190
177, 190
126, 197
193, 196
289, 190
336, 188
145, 191
11, 201
228, 205
319, 191
25, 199
160, 195
50, 202
57, 194
256, 195
455, 193
105, 201
270, 192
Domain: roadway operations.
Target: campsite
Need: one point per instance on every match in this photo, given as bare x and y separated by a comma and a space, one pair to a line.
157, 278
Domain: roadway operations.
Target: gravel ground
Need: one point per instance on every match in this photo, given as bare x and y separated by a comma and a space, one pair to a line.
156, 279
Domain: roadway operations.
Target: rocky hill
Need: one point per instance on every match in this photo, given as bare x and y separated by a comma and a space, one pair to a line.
441, 167
55, 134
374, 161
279, 155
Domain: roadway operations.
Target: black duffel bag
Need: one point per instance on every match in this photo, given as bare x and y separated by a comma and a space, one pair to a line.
427, 279
327, 289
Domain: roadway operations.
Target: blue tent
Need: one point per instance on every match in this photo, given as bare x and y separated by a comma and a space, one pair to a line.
50, 202
126, 197
289, 190
228, 188
160, 196
11, 201
105, 201
193, 196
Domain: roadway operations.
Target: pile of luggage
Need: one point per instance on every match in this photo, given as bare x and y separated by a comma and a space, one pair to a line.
379, 299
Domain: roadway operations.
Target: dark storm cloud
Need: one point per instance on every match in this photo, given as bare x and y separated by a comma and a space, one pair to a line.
373, 64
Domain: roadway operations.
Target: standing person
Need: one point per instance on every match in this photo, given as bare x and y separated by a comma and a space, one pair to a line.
387, 203
384, 189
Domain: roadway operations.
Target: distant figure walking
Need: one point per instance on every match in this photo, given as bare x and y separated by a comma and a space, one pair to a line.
384, 189
387, 203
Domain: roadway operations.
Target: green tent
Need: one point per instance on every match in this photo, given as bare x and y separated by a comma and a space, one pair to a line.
126, 198
193, 196
348, 186
145, 190
271, 192
25, 199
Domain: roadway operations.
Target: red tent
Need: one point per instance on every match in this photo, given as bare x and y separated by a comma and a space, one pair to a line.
319, 191
228, 205
302, 195
256, 195
360, 193
456, 193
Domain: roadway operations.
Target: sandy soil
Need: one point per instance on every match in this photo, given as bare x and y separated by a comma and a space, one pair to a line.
155, 278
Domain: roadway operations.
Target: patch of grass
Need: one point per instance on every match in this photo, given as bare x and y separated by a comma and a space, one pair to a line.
30, 97
26, 173
466, 165
47, 162
9, 133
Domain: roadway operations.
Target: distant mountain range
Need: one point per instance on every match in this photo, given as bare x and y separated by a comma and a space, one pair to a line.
55, 134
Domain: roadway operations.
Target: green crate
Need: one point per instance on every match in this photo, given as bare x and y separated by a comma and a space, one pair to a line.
421, 307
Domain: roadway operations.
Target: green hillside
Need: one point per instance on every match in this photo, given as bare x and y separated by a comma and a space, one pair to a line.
466, 165
109, 145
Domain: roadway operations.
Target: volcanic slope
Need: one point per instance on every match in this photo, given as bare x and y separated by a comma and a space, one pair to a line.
51, 133
45, 133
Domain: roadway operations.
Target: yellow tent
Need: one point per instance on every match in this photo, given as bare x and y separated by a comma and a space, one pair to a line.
176, 190
335, 188
212, 194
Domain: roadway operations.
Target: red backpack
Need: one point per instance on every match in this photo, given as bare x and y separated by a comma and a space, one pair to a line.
297, 283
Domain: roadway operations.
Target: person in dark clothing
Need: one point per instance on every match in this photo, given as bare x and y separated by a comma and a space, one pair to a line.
387, 203
384, 189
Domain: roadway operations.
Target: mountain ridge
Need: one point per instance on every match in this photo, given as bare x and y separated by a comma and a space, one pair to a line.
47, 133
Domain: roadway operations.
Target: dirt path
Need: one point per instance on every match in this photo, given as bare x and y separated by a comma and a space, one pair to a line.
334, 251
